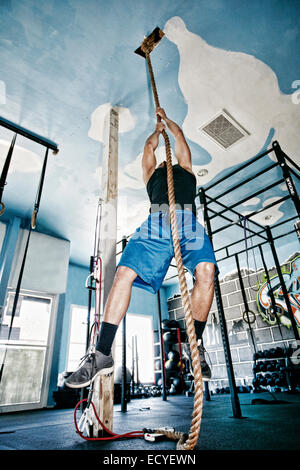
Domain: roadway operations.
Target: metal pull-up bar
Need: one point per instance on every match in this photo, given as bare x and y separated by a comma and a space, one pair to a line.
28, 134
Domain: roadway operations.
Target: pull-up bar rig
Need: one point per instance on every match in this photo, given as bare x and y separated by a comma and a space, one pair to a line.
263, 232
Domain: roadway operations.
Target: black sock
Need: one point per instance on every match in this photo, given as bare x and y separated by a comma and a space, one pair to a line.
199, 328
106, 337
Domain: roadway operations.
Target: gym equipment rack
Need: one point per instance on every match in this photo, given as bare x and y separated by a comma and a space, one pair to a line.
265, 234
273, 369
289, 171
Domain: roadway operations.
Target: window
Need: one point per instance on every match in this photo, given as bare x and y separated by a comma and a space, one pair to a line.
141, 327
31, 321
27, 355
77, 339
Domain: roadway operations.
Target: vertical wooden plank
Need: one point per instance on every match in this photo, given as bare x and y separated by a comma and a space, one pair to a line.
103, 396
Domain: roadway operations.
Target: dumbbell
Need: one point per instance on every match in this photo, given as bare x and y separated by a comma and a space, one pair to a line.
263, 366
243, 389
277, 378
270, 379
256, 382
154, 391
266, 353
256, 367
271, 366
262, 380
280, 366
272, 352
280, 380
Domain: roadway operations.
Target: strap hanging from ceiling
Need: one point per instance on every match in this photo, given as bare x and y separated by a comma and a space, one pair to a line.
19, 282
5, 172
39, 191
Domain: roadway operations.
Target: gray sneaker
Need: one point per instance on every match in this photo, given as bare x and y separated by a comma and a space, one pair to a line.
205, 369
93, 365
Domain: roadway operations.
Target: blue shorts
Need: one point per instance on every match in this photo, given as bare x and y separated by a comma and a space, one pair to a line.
149, 251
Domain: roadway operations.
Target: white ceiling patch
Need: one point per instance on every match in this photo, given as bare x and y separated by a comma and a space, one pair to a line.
252, 202
126, 121
269, 216
212, 79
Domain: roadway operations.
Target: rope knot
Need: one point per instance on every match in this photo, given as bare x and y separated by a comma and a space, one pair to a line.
151, 41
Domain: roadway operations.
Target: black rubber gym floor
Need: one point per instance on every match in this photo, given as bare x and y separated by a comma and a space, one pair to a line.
270, 427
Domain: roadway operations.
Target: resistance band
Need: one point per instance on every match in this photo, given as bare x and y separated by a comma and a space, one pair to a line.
247, 310
39, 192
247, 256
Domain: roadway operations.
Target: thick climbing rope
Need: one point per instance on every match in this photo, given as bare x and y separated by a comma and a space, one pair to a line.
185, 442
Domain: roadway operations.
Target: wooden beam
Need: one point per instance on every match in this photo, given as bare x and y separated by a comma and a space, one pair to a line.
103, 396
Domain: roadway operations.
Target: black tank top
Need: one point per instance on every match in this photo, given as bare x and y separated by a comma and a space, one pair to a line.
184, 187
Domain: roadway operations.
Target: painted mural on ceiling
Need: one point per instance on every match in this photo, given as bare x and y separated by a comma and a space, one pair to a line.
67, 62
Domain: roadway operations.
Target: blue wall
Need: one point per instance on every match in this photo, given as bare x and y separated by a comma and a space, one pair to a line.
77, 294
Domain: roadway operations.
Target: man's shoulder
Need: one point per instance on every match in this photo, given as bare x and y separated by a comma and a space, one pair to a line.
187, 168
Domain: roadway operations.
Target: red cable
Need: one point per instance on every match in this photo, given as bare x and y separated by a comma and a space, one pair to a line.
113, 435
93, 340
100, 281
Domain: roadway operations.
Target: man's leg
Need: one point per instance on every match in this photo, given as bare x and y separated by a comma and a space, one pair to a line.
202, 295
201, 300
116, 306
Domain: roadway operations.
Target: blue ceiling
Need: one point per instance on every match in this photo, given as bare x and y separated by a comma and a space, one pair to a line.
63, 59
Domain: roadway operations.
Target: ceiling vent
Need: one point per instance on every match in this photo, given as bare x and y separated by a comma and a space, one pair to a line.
224, 130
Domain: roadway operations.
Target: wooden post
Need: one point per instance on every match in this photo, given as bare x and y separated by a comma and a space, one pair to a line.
103, 396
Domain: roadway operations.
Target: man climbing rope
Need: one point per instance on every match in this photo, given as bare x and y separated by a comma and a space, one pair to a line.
147, 257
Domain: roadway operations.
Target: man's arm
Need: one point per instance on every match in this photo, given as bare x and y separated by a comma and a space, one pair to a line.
182, 150
149, 159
